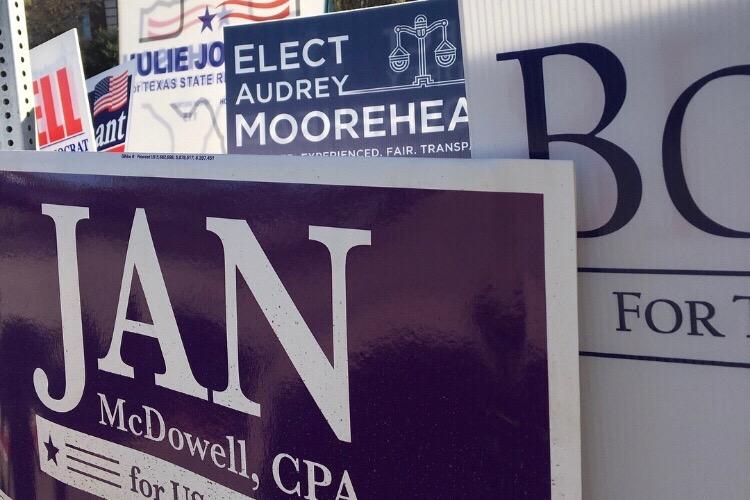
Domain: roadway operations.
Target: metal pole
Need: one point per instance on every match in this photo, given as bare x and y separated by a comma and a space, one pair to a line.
16, 93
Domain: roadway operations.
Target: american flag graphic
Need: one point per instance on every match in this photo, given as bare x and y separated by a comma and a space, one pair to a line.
111, 94
165, 18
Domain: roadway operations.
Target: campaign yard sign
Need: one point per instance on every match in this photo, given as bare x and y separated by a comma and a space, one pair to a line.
386, 81
109, 100
326, 328
651, 100
63, 120
178, 47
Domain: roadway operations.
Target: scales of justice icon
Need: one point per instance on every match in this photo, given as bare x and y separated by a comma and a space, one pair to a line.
445, 53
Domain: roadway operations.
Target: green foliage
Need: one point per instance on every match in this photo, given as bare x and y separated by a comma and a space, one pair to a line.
100, 53
45, 19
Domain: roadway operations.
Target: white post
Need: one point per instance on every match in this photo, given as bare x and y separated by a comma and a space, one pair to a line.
16, 93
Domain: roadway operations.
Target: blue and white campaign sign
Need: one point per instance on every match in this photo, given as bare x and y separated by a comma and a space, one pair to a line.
651, 100
378, 82
178, 48
109, 97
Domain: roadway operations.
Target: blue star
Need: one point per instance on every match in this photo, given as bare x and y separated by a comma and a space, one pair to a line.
223, 20
206, 19
52, 450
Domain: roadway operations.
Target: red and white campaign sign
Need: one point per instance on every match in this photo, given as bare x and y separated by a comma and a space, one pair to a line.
109, 97
63, 121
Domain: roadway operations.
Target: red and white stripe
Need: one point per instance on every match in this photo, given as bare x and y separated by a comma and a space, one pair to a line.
117, 96
166, 21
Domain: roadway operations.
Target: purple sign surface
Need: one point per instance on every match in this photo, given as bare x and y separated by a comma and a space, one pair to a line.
186, 338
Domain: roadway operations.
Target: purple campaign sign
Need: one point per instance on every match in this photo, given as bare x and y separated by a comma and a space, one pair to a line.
296, 329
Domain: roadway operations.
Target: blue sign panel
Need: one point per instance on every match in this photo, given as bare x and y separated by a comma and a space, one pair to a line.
109, 98
377, 82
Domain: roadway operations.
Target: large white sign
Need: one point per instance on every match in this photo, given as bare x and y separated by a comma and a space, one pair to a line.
651, 99
63, 119
178, 102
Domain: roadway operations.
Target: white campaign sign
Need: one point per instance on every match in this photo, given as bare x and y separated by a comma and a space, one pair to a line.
651, 99
178, 102
63, 119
